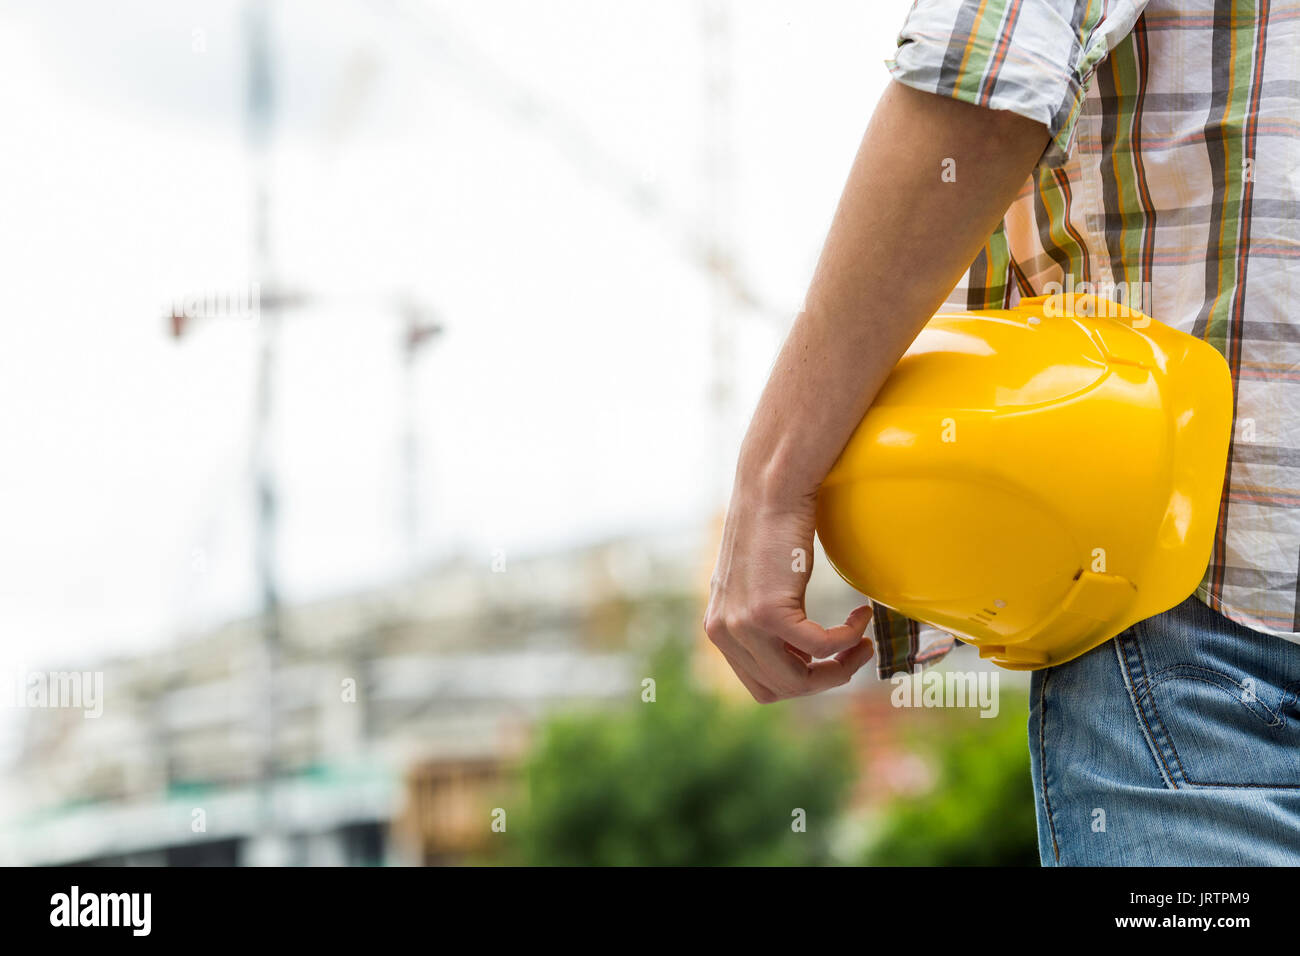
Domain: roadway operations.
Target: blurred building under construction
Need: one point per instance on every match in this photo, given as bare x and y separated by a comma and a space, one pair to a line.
399, 714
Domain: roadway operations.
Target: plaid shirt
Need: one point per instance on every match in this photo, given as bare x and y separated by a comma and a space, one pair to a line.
1172, 167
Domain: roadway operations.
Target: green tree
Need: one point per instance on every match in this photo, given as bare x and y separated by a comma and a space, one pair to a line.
980, 811
686, 780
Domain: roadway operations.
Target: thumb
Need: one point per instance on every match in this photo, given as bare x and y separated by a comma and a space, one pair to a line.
817, 641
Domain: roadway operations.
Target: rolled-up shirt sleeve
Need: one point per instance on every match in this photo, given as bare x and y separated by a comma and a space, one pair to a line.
1033, 57
903, 645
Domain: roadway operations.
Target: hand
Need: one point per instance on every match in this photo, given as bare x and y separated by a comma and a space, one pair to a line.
756, 605
892, 221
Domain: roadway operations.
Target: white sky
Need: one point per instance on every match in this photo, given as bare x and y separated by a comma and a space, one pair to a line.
568, 400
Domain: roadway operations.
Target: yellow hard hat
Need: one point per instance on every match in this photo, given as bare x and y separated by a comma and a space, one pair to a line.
1035, 480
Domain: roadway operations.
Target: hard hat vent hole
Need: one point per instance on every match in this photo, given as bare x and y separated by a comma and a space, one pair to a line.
1077, 574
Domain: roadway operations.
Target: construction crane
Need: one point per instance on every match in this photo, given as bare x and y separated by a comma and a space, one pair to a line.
271, 300
268, 847
707, 244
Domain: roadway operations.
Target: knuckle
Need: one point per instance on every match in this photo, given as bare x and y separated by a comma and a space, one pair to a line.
762, 614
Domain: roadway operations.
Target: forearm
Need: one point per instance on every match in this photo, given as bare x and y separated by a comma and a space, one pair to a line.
900, 240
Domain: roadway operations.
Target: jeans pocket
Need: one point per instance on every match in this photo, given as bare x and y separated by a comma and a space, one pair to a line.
1216, 720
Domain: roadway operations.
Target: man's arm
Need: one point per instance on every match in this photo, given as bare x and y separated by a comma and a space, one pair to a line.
900, 241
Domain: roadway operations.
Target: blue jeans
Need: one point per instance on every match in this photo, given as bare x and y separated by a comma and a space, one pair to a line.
1176, 743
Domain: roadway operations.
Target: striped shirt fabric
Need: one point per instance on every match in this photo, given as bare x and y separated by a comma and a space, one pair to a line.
1173, 178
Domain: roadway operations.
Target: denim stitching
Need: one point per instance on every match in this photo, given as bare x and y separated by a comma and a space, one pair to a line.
1158, 675
1277, 721
1217, 785
1127, 666
1288, 692
1042, 761
1166, 739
